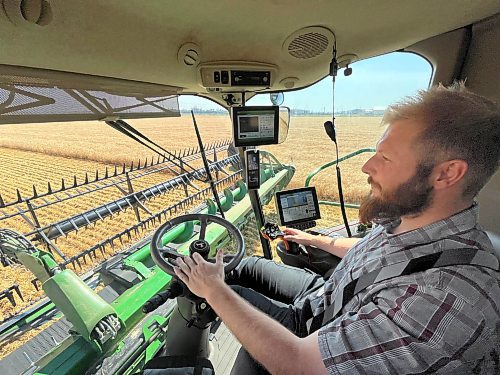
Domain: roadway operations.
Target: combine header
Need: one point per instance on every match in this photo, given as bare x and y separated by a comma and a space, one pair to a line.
108, 328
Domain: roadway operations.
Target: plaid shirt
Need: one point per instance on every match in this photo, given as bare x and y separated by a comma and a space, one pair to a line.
444, 320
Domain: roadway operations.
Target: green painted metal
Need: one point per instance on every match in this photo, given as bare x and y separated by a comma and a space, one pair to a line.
148, 333
332, 163
240, 191
227, 202
211, 207
40, 263
216, 234
75, 354
186, 234
72, 357
337, 204
273, 160
265, 174
30, 318
145, 252
77, 301
138, 267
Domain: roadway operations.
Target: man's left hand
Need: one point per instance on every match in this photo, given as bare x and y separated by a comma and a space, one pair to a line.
200, 276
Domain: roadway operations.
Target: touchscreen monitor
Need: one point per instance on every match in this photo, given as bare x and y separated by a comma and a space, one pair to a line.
297, 205
255, 126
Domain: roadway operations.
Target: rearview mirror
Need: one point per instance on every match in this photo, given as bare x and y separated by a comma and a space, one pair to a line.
277, 98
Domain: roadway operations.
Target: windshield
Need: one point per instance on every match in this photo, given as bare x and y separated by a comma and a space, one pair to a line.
85, 191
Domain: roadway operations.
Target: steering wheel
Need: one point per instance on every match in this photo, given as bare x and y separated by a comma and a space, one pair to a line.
163, 256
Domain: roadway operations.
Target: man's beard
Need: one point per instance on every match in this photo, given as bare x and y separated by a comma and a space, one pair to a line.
409, 199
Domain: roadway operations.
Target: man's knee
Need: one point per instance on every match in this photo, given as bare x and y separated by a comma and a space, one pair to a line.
248, 268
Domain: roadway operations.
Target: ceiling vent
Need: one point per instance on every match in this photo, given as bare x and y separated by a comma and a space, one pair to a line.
28, 12
308, 43
189, 55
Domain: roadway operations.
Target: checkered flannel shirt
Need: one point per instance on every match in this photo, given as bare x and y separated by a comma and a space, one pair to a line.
443, 320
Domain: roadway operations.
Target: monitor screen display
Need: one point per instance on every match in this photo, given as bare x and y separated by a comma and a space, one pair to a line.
255, 126
297, 205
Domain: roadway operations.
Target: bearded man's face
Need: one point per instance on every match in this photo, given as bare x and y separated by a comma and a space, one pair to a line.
410, 198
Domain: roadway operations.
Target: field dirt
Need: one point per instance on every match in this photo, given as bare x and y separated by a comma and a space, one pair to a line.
35, 154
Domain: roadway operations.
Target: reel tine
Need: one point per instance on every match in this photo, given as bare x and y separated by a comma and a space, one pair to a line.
19, 197
34, 282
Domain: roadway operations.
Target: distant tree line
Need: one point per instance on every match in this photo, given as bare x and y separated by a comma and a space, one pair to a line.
298, 112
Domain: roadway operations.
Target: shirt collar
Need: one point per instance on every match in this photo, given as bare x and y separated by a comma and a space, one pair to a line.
460, 222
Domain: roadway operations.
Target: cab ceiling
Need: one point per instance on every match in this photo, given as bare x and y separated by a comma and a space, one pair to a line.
140, 40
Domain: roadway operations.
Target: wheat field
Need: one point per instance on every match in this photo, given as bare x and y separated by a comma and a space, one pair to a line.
34, 154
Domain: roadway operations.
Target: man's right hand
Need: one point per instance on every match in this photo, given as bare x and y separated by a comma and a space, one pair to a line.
337, 246
299, 236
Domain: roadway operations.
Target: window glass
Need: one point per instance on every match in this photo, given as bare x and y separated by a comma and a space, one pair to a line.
360, 101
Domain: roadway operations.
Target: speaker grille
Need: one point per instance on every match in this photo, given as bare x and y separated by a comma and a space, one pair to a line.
308, 45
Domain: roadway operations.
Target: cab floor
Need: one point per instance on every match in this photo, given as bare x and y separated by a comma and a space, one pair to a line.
224, 349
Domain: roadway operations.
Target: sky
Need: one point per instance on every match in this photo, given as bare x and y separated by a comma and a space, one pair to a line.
374, 84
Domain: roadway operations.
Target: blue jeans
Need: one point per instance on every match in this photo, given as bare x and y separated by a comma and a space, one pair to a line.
277, 290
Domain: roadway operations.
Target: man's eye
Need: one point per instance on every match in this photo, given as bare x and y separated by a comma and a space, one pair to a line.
385, 158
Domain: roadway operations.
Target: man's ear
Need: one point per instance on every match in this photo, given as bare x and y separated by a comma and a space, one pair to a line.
449, 173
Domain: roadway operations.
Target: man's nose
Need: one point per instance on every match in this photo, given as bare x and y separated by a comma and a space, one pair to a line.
367, 167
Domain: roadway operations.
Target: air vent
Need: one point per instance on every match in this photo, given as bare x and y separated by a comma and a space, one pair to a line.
28, 12
308, 43
189, 55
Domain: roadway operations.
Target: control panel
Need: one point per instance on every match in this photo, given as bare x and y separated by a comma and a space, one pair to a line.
223, 76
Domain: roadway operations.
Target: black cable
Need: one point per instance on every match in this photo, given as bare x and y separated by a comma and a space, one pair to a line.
135, 131
331, 132
207, 168
130, 132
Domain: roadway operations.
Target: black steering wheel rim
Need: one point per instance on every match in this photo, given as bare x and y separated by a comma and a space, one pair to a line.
204, 219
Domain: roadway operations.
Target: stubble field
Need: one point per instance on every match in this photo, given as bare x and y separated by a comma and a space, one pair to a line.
35, 154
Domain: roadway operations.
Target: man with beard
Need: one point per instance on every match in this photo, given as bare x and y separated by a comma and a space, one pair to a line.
439, 149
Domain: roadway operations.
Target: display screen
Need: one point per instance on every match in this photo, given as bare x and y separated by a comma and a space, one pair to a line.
255, 126
298, 205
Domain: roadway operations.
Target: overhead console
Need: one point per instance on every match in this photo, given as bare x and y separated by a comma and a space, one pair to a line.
236, 76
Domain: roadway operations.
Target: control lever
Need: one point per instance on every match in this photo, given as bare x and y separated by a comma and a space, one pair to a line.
272, 231
174, 290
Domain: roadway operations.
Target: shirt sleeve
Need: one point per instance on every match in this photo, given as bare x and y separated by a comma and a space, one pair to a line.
400, 330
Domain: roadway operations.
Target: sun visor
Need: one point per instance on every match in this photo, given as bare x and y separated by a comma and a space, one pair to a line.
30, 95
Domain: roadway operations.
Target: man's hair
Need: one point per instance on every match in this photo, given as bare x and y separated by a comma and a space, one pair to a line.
458, 124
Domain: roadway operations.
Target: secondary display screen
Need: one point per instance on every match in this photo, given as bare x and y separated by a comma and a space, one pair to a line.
297, 205
255, 126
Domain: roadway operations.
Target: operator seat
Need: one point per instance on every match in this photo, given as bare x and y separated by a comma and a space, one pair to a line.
495, 240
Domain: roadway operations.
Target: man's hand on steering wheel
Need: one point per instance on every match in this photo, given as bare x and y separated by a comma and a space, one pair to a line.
200, 276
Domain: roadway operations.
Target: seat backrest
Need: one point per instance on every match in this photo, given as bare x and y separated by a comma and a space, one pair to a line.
495, 240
